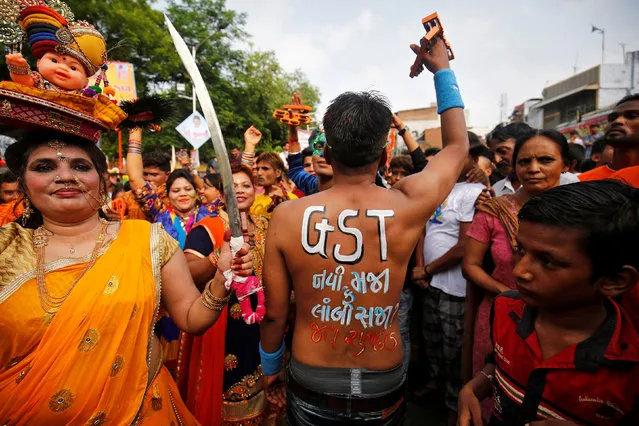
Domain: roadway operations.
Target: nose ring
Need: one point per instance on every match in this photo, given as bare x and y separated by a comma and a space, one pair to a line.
57, 178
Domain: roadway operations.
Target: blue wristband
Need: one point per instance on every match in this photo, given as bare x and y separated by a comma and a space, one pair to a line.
272, 363
447, 91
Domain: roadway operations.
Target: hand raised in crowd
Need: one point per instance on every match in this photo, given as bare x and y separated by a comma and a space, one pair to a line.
468, 408
397, 123
252, 136
296, 99
241, 264
434, 59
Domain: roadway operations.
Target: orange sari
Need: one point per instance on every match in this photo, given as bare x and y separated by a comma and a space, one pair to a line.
10, 212
88, 364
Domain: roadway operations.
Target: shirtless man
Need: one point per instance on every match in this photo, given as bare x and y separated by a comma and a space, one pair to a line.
344, 252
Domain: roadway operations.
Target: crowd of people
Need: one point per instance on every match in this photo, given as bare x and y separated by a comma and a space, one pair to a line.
501, 272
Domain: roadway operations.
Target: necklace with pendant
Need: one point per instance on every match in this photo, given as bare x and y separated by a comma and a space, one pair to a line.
50, 303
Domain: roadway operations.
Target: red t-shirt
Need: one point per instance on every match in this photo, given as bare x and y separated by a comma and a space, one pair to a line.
599, 173
595, 382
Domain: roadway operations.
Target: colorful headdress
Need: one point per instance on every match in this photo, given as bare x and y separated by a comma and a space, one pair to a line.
49, 31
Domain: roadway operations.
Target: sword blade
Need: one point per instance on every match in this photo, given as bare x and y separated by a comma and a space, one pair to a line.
214, 128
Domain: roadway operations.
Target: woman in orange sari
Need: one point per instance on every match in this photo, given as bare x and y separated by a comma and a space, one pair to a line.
79, 298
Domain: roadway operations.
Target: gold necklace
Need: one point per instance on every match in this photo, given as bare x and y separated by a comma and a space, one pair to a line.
51, 304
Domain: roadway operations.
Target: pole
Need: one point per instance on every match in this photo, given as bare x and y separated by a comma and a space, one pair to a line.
193, 52
120, 162
603, 44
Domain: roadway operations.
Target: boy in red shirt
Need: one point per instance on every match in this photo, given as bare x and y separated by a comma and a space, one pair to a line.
565, 353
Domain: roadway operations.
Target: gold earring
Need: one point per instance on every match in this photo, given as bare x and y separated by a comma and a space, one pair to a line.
26, 212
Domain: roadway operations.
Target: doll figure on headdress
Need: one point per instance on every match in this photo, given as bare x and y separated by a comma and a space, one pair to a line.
68, 53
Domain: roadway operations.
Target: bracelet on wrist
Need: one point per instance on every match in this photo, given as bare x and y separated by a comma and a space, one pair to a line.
402, 131
212, 302
19, 69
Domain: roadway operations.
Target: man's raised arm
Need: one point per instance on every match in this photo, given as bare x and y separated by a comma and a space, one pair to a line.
430, 187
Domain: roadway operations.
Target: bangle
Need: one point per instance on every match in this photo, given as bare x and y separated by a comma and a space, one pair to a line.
19, 69
272, 363
211, 302
401, 132
447, 91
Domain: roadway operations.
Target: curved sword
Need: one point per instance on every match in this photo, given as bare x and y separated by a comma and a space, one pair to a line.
216, 133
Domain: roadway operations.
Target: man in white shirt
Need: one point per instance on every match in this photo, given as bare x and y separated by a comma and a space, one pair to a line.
445, 293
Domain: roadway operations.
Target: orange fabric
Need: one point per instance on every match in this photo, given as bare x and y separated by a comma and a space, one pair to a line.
629, 175
599, 173
89, 362
8, 213
200, 371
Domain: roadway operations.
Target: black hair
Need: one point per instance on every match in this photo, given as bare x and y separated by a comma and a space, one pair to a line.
605, 211
356, 126
511, 131
176, 174
17, 155
118, 187
127, 185
215, 181
233, 146
157, 159
8, 177
431, 151
480, 150
307, 152
473, 139
599, 146
553, 135
403, 162
587, 165
629, 98
284, 143
577, 153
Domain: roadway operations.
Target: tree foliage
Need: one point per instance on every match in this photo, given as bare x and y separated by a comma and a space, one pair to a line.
245, 86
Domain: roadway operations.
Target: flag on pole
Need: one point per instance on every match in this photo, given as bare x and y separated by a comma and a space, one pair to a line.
173, 158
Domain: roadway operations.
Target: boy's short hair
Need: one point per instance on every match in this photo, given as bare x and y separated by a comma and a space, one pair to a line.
271, 158
480, 150
8, 177
599, 146
306, 152
157, 159
605, 211
357, 126
403, 162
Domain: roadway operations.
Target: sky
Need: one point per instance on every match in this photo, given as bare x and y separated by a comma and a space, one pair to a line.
512, 47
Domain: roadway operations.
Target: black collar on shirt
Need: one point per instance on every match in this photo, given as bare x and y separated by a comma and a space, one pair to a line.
589, 354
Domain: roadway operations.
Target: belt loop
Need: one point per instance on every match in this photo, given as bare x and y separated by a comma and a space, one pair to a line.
356, 381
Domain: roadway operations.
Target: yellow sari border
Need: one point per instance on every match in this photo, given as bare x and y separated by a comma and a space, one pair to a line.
15, 285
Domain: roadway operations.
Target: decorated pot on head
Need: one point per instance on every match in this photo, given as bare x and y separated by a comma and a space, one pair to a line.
57, 96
